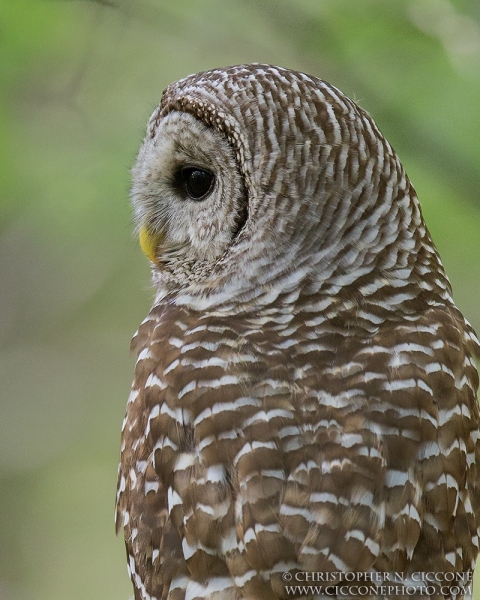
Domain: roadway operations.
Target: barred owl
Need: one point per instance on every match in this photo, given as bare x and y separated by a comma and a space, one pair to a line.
304, 396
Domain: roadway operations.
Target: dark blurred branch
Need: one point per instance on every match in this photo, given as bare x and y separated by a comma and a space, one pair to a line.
110, 3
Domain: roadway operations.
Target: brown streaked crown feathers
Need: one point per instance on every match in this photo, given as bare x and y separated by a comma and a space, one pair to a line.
305, 392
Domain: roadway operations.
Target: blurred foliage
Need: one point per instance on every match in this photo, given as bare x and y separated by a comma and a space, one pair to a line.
78, 82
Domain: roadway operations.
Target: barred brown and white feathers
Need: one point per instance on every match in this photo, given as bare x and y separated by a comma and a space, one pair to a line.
305, 391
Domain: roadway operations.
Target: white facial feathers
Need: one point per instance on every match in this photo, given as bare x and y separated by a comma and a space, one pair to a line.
193, 230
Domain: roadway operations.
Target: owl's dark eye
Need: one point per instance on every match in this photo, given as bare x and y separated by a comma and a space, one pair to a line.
197, 182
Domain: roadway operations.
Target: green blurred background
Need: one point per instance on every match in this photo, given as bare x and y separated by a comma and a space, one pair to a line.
78, 82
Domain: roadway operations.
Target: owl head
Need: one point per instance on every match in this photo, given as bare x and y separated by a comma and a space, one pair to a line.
255, 180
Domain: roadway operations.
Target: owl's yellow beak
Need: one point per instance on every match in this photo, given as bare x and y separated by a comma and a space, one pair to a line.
149, 243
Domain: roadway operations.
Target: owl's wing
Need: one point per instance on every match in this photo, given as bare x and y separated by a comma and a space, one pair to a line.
334, 500
383, 471
443, 364
144, 518
154, 549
